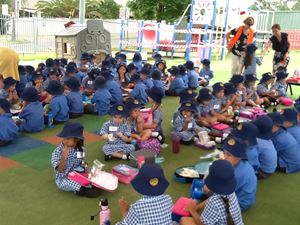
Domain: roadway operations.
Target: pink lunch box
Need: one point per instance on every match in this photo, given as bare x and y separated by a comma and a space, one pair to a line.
124, 173
105, 181
147, 116
286, 101
247, 114
180, 205
81, 178
220, 126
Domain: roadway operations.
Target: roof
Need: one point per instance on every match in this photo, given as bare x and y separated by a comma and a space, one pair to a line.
71, 30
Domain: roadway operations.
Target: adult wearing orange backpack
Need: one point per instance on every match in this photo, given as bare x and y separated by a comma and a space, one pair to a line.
237, 41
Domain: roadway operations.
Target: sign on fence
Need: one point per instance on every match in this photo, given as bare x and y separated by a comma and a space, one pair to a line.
4, 9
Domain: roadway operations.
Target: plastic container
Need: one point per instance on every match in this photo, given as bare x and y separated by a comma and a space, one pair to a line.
175, 143
197, 189
104, 215
50, 119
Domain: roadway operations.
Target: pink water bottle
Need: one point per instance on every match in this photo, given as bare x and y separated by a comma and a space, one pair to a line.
105, 213
175, 143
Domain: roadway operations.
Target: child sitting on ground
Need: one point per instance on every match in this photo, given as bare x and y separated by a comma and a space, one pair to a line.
146, 77
9, 130
252, 97
88, 83
139, 90
74, 97
263, 89
206, 74
10, 93
241, 100
280, 85
177, 85
291, 123
36, 82
68, 157
32, 114
117, 134
156, 78
204, 117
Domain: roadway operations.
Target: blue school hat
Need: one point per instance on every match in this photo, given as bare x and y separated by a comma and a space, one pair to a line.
156, 75
281, 75
236, 79
8, 82
264, 125
55, 88
235, 146
63, 62
189, 65
71, 69
277, 118
121, 56
94, 73
72, 130
221, 179
205, 62
30, 94
218, 87
187, 95
36, 75
56, 62
290, 115
106, 64
189, 106
132, 104
150, 180
204, 95
137, 57
92, 56
73, 83
229, 89
174, 70
182, 69
131, 66
266, 77
145, 71
156, 94
251, 48
250, 78
136, 77
49, 62
5, 105
21, 69
246, 131
85, 56
118, 109
100, 82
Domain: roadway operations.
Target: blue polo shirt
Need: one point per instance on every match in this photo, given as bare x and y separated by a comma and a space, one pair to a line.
295, 132
75, 102
252, 156
148, 82
60, 109
139, 93
102, 99
9, 129
159, 84
114, 89
193, 78
177, 85
267, 155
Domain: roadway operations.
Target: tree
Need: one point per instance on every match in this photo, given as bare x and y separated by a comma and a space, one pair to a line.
169, 10
276, 5
105, 9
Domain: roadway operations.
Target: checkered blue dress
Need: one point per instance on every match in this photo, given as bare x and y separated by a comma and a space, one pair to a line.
118, 144
215, 213
262, 88
61, 179
150, 210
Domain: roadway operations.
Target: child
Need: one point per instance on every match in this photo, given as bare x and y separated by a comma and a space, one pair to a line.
138, 61
204, 100
117, 134
263, 87
185, 125
70, 72
248, 132
156, 78
162, 66
32, 114
102, 98
285, 144
251, 60
291, 123
182, 72
206, 74
88, 83
9, 130
155, 96
192, 75
280, 85
121, 58
112, 86
69, 156
231, 95
177, 85
74, 97
122, 77
146, 78
235, 153
139, 90
238, 82
222, 207
267, 154
252, 97
131, 70
58, 104
52, 75
36, 82
10, 93
154, 207
84, 65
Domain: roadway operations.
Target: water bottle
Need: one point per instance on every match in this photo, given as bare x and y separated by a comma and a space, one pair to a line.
50, 119
104, 215
175, 143
230, 111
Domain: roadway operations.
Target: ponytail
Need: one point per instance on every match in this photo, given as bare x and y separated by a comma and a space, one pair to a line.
80, 145
228, 215
248, 59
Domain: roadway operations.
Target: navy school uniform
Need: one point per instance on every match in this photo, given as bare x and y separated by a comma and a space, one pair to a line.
149, 83
59, 108
102, 99
280, 88
115, 90
33, 118
9, 129
139, 93
159, 84
267, 155
288, 151
193, 79
74, 99
246, 184
295, 132
203, 110
185, 80
216, 104
177, 85
262, 88
252, 156
206, 74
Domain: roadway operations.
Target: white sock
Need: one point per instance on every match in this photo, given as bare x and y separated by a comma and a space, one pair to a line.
154, 134
124, 157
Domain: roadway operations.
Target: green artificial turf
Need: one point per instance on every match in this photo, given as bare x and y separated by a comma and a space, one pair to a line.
28, 195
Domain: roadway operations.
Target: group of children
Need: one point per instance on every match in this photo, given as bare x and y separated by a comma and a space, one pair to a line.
68, 90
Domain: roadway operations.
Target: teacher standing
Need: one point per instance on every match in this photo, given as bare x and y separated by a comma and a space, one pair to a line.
281, 45
237, 41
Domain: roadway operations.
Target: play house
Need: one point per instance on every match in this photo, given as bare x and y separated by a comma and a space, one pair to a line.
76, 39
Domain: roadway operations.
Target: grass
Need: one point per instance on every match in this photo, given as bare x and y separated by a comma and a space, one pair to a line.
28, 194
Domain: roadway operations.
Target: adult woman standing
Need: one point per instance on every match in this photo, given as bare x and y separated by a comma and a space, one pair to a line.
237, 40
9, 61
280, 44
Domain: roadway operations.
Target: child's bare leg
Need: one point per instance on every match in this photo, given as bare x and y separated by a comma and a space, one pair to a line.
146, 134
187, 221
118, 155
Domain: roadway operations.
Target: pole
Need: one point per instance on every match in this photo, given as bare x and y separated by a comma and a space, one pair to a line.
121, 35
14, 15
157, 37
212, 29
81, 11
225, 30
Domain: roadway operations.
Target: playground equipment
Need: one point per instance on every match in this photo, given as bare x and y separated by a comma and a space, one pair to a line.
203, 36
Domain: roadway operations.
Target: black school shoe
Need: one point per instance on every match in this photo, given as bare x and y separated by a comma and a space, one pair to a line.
89, 192
107, 157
